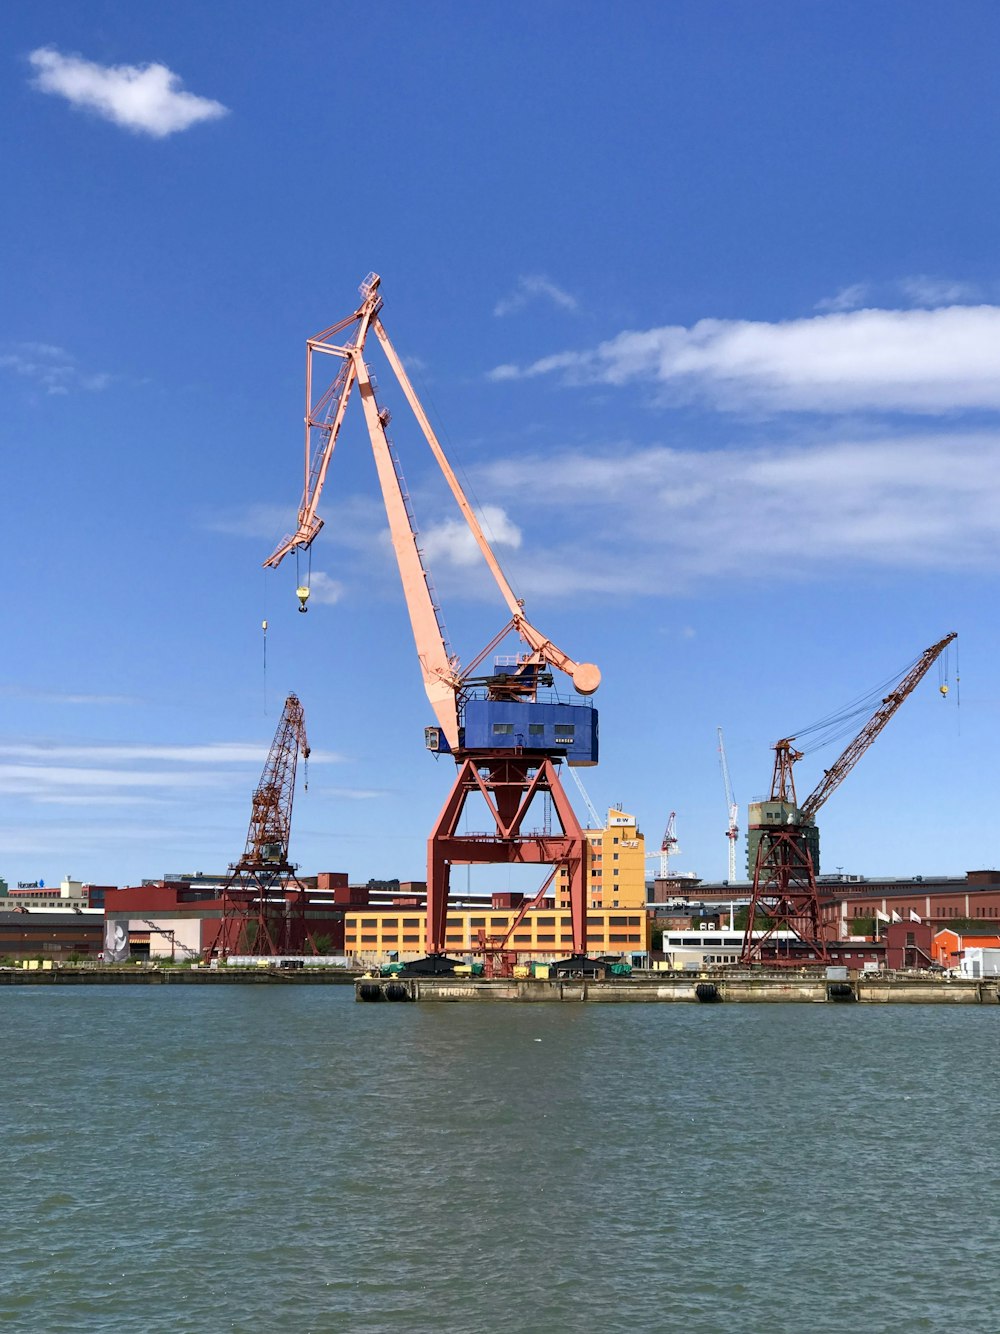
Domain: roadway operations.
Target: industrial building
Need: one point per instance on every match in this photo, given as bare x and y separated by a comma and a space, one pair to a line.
376, 933
68, 896
50, 935
936, 899
183, 918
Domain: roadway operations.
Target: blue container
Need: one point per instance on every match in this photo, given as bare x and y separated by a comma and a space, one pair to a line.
552, 729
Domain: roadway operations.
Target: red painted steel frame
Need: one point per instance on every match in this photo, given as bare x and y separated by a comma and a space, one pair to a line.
784, 891
508, 784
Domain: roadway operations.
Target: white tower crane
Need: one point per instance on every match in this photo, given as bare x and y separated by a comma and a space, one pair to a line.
596, 821
733, 832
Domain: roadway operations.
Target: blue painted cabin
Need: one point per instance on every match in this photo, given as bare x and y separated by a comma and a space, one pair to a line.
553, 729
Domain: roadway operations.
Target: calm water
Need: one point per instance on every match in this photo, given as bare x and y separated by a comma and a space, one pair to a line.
253, 1159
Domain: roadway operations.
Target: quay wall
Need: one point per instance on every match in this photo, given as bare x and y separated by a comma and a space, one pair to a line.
132, 975
780, 989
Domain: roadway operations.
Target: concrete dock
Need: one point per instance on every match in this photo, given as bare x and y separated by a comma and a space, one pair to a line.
703, 989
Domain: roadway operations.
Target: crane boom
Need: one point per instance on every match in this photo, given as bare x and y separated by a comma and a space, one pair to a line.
271, 810
838, 771
439, 667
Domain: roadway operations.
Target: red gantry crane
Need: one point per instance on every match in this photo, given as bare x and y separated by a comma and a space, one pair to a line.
783, 845
263, 904
506, 740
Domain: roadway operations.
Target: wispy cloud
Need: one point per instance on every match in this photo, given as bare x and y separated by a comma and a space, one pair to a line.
127, 774
146, 99
51, 368
531, 288
848, 298
265, 523
925, 291
356, 793
37, 696
916, 361
212, 752
658, 520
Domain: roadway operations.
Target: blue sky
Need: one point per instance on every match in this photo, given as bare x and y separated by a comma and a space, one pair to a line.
704, 301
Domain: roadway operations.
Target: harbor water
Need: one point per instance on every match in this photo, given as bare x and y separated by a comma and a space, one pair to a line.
259, 1158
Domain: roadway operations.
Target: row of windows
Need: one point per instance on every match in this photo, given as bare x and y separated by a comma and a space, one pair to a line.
501, 923
563, 731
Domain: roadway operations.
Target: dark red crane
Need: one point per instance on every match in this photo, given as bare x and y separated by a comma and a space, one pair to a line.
263, 903
783, 842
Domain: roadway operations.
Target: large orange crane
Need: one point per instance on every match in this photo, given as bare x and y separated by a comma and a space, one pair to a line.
783, 843
506, 739
263, 904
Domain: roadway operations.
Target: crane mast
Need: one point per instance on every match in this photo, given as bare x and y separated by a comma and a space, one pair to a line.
506, 741
783, 849
733, 830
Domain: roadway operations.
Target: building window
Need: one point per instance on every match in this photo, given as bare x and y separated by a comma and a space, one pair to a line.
477, 921
565, 731
547, 940
536, 729
545, 921
503, 729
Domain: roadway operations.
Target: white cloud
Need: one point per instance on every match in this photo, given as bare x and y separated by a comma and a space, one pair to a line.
147, 99
848, 298
451, 542
659, 521
52, 368
529, 289
917, 361
324, 590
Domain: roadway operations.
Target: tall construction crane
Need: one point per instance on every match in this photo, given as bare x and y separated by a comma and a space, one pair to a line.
506, 741
263, 904
783, 845
668, 846
733, 831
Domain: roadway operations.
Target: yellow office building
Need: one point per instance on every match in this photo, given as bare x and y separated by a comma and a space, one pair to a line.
544, 932
616, 865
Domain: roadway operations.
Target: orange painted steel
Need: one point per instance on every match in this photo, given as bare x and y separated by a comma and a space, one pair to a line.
507, 782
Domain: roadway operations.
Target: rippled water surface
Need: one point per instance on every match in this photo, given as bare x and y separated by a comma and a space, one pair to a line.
254, 1158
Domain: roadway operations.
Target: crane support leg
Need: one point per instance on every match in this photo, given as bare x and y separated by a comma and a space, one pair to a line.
508, 784
785, 895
